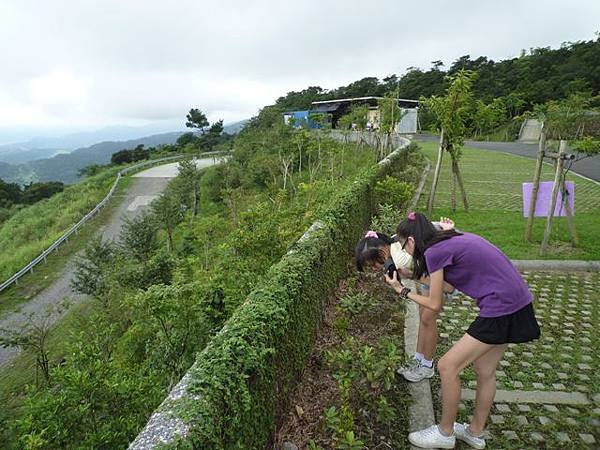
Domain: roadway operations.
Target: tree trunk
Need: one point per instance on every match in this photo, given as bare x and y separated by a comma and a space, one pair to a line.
436, 175
461, 185
536, 184
453, 188
570, 219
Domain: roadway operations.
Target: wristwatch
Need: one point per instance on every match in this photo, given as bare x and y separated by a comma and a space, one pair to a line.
404, 292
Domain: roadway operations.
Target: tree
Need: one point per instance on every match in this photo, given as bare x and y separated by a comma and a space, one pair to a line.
139, 153
168, 213
32, 336
138, 237
452, 113
196, 119
121, 157
35, 192
186, 138
189, 182
92, 269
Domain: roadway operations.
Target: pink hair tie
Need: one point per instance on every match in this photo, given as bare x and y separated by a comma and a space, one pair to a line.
371, 234
412, 216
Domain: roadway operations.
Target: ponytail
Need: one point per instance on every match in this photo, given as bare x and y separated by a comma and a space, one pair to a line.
370, 249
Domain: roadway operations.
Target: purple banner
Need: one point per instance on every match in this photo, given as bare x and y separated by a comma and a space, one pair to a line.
544, 199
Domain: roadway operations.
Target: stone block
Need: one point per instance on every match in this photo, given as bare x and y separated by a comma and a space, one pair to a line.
510, 435
537, 437
551, 408
522, 420
497, 419
544, 420
587, 438
503, 408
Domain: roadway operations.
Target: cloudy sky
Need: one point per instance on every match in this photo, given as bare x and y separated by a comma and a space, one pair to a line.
74, 64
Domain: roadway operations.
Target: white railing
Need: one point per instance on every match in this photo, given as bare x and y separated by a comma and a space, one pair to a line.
42, 257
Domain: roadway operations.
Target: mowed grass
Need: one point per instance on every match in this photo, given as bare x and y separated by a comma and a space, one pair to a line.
493, 182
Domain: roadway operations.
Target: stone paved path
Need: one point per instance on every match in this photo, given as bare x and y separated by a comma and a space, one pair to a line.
549, 390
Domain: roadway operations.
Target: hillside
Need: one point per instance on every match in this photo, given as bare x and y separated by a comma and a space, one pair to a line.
64, 167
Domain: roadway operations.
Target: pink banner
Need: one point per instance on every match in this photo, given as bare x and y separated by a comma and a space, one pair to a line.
544, 198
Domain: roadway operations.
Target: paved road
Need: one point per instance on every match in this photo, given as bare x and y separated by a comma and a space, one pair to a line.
589, 167
147, 185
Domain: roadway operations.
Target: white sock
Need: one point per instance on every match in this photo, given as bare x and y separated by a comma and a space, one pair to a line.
426, 362
419, 356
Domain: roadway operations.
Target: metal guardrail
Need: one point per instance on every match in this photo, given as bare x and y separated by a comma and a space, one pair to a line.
42, 257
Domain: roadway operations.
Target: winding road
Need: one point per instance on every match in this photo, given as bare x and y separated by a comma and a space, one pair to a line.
147, 185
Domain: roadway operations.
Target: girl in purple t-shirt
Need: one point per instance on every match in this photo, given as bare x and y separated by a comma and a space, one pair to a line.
479, 269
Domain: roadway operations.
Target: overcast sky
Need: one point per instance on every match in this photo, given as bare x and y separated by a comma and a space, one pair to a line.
70, 64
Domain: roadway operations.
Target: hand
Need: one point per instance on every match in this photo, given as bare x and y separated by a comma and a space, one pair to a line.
394, 282
446, 223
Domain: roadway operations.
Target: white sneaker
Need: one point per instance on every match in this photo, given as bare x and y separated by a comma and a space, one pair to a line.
431, 438
410, 365
461, 431
418, 373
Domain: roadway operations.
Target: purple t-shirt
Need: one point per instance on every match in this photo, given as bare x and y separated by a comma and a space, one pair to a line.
480, 270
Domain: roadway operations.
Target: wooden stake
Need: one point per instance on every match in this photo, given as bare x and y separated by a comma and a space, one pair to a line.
536, 184
555, 187
436, 175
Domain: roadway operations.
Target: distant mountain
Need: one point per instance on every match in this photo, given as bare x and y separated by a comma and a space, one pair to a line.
16, 154
64, 167
235, 127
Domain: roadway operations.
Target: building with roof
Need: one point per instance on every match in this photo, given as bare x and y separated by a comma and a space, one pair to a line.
333, 110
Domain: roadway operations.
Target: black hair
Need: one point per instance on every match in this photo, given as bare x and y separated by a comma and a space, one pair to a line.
370, 249
425, 235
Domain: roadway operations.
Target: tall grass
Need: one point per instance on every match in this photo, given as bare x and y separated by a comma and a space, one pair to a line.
33, 229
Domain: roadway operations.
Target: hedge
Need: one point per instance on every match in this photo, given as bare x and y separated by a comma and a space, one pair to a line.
231, 398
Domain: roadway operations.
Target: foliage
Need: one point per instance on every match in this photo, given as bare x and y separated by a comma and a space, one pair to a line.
196, 119
453, 111
245, 370
391, 191
90, 268
138, 237
139, 153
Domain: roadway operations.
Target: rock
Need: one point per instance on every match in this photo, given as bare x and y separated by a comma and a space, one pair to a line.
289, 446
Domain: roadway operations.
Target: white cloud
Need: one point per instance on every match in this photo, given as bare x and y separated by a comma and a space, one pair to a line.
101, 62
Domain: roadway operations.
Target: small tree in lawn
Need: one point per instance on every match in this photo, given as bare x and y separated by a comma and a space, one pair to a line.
452, 112
562, 120
196, 119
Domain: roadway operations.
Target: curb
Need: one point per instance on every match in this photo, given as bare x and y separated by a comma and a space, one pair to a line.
552, 264
420, 411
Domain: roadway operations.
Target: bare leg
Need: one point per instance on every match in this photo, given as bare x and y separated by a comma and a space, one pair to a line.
463, 353
485, 367
428, 333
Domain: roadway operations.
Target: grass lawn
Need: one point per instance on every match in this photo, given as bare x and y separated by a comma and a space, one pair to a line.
493, 181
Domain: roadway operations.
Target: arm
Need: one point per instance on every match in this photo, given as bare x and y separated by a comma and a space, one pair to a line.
447, 286
436, 288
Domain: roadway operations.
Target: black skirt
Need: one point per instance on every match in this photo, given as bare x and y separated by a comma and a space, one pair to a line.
518, 327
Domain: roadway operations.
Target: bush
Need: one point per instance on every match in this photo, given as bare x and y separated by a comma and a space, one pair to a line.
244, 374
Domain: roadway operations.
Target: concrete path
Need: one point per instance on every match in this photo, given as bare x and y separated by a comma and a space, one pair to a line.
589, 167
147, 185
